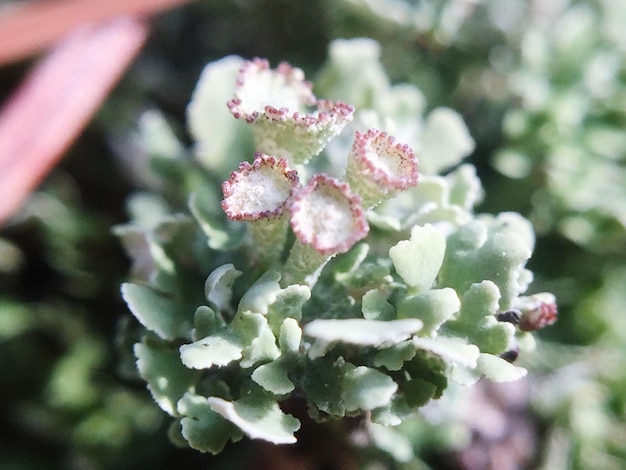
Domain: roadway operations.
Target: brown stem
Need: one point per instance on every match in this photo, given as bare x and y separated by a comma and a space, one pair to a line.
30, 26
57, 99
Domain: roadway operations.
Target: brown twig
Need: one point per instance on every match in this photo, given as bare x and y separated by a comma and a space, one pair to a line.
57, 99
30, 26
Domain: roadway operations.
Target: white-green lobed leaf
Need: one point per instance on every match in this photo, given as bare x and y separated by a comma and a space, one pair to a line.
157, 312
204, 429
261, 294
168, 380
451, 349
365, 388
206, 322
433, 307
157, 137
376, 307
215, 350
258, 418
147, 210
444, 201
216, 133
338, 387
477, 320
465, 189
511, 222
392, 441
394, 357
353, 73
261, 349
363, 332
288, 304
290, 337
318, 349
257, 337
497, 369
218, 286
478, 251
419, 259
395, 413
219, 237
445, 141
489, 366
136, 244
273, 377
350, 261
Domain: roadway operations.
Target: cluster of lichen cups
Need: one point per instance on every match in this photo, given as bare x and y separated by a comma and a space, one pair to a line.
327, 215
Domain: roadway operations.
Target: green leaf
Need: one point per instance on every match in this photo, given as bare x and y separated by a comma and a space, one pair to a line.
215, 350
376, 307
433, 307
218, 238
394, 357
363, 332
71, 385
257, 337
492, 367
477, 320
168, 380
351, 260
204, 429
218, 286
15, 319
445, 201
353, 73
258, 417
418, 392
337, 387
273, 377
465, 190
451, 349
392, 441
364, 388
147, 210
158, 313
261, 294
218, 136
477, 252
262, 349
290, 337
419, 259
321, 385
288, 304
394, 413
497, 369
206, 322
445, 141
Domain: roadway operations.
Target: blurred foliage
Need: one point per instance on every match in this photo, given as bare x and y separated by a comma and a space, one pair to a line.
541, 86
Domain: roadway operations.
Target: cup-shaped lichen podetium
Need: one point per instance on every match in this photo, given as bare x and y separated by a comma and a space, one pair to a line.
327, 218
287, 119
259, 193
379, 168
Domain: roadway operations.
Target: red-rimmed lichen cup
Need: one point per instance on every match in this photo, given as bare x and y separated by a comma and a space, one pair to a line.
379, 168
327, 218
259, 193
287, 119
